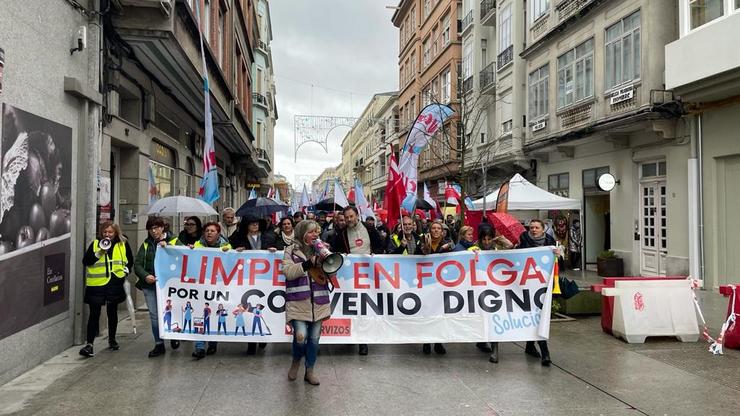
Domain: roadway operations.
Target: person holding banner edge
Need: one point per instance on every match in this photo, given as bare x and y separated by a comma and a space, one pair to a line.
536, 237
307, 302
144, 269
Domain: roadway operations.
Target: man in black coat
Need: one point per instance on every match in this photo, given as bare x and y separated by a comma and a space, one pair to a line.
357, 238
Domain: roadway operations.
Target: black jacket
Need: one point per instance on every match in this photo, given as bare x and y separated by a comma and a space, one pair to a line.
240, 239
525, 241
340, 243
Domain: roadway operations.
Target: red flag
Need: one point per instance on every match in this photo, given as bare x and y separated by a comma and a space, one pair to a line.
393, 189
351, 194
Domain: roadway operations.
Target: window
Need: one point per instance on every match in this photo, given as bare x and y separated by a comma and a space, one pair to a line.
446, 30
539, 8
623, 51
538, 87
129, 106
559, 184
704, 11
190, 179
221, 36
412, 110
413, 68
576, 74
482, 137
591, 177
426, 95
207, 19
505, 28
467, 65
435, 89
446, 81
427, 52
412, 27
435, 42
652, 169
427, 8
506, 127
258, 134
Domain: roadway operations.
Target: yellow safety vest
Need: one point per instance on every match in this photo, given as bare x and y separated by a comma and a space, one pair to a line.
98, 274
198, 244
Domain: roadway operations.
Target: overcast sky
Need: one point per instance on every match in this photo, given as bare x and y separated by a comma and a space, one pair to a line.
348, 50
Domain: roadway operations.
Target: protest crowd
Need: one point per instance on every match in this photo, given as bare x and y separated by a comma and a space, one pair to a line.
109, 259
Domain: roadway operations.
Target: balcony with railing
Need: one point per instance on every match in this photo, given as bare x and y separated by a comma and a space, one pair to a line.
488, 78
467, 84
505, 57
488, 12
262, 45
263, 156
261, 100
467, 22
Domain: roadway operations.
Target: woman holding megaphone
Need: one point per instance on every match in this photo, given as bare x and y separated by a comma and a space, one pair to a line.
306, 300
108, 260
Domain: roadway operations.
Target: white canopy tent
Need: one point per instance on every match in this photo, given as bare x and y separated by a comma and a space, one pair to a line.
523, 195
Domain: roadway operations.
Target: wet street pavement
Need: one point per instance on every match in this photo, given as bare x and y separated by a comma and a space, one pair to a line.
592, 374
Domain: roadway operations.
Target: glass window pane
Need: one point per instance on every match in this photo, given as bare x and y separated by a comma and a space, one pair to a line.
553, 182
589, 86
613, 32
627, 58
636, 54
662, 168
648, 169
609, 70
580, 81
589, 178
704, 11
564, 180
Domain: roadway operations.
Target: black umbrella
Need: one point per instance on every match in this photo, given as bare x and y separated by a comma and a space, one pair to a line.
261, 207
328, 205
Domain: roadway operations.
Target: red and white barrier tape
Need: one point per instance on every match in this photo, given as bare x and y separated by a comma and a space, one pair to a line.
715, 345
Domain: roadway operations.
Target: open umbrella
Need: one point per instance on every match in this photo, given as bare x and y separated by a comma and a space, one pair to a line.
506, 225
185, 205
261, 207
328, 204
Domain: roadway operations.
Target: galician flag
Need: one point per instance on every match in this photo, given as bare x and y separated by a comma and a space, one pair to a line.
209, 184
304, 198
428, 197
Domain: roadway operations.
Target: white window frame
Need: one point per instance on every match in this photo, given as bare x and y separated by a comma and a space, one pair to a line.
427, 8
507, 126
726, 10
539, 81
539, 8
426, 95
446, 82
427, 50
467, 63
446, 30
572, 65
207, 19
505, 28
632, 40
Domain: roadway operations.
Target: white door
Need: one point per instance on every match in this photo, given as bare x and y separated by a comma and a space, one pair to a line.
654, 238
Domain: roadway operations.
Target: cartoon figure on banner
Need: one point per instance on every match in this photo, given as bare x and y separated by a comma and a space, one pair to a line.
207, 319
259, 319
187, 318
239, 314
168, 315
221, 313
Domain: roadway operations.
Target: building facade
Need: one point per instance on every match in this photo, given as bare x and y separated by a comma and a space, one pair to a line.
596, 103
325, 178
707, 80
51, 112
154, 103
264, 106
429, 72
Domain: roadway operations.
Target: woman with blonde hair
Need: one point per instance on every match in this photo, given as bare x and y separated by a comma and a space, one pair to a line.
107, 260
307, 299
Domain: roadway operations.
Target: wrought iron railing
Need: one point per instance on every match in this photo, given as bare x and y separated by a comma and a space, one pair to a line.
467, 21
486, 6
488, 76
505, 57
467, 84
259, 99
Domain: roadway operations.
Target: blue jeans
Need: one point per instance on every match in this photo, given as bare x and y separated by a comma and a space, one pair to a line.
310, 333
150, 295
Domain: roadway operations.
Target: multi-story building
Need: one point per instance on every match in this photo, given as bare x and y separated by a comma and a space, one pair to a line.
264, 106
283, 187
50, 93
326, 178
606, 110
703, 70
383, 141
155, 100
429, 69
492, 94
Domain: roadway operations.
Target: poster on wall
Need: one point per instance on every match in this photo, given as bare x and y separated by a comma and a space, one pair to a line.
35, 190
35, 219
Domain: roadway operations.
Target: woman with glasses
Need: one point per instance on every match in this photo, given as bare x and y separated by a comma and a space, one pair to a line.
146, 282
192, 232
286, 235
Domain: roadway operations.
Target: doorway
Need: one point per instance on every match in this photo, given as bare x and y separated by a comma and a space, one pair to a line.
728, 199
654, 238
596, 226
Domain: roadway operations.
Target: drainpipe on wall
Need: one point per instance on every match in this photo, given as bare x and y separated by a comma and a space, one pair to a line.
696, 201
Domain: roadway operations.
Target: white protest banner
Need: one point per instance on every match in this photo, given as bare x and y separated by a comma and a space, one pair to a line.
207, 294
